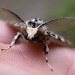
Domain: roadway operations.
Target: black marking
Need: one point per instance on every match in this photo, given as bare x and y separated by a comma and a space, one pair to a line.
47, 61
61, 39
45, 49
34, 22
34, 25
25, 34
55, 36
36, 19
30, 22
36, 37
17, 39
2, 49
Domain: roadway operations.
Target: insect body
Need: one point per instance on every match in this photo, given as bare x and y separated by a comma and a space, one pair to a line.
35, 30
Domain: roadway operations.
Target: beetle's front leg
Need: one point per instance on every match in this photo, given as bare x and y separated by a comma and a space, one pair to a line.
46, 50
15, 39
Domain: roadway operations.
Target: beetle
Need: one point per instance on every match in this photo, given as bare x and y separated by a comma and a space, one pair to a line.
35, 30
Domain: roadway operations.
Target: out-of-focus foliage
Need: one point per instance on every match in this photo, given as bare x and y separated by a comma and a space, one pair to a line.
66, 9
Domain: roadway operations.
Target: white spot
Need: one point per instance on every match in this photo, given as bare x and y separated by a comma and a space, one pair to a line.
31, 32
33, 20
62, 39
54, 35
40, 22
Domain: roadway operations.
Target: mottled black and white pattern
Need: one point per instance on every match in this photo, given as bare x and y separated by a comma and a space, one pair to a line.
57, 37
35, 30
34, 22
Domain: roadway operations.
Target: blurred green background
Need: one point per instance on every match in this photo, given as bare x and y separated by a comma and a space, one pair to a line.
66, 9
45, 9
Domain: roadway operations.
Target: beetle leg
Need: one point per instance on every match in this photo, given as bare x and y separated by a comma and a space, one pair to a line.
15, 39
46, 50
